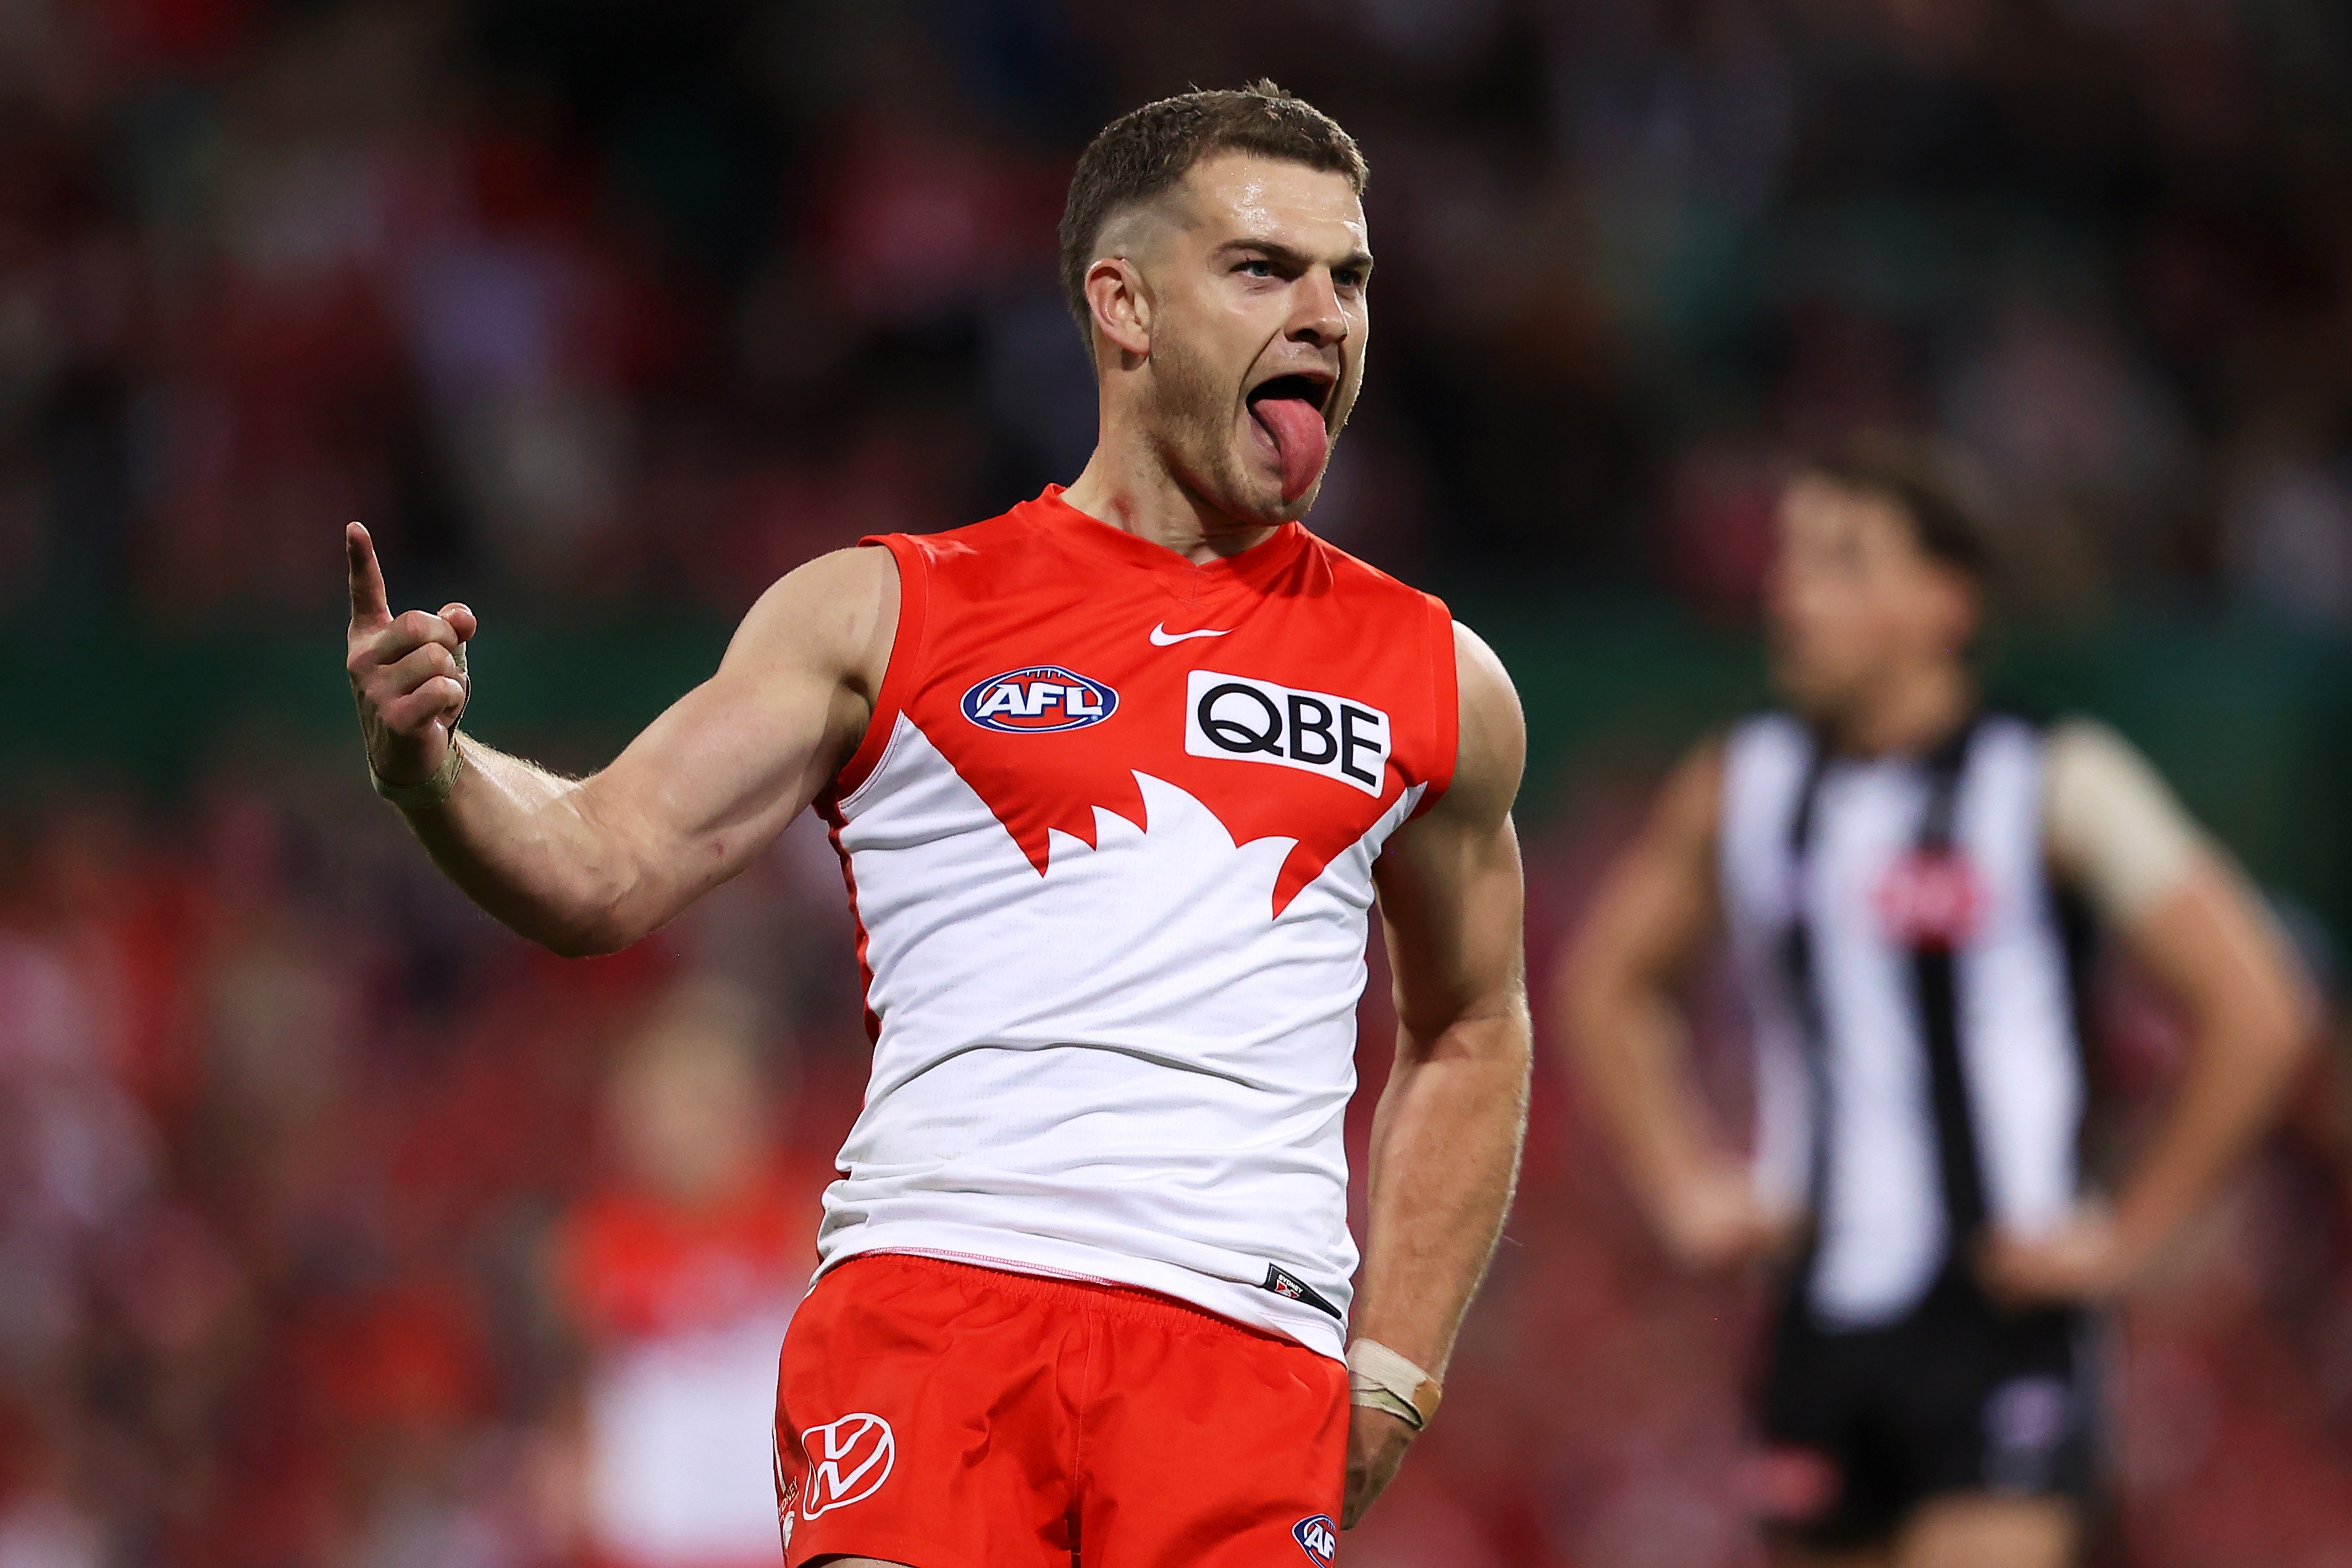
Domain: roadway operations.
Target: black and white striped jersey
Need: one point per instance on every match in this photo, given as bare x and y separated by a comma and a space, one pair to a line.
1910, 978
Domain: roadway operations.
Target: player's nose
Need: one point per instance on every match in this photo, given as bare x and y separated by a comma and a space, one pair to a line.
1316, 317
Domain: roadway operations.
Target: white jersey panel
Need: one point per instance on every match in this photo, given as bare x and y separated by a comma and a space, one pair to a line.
1116, 1071
1764, 765
1880, 1225
2018, 1040
1844, 1098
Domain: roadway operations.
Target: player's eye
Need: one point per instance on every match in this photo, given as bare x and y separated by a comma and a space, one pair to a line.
1258, 266
1348, 278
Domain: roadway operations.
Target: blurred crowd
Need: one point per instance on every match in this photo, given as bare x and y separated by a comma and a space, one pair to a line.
610, 299
338, 1226
339, 1229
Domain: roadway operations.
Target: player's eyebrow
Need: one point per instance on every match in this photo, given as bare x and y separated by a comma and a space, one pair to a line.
1291, 256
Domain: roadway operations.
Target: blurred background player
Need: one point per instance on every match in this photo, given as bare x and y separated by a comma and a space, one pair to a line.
1116, 779
1902, 873
678, 1280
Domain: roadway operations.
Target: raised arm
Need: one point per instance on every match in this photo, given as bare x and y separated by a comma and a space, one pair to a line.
589, 865
1626, 1036
1446, 1139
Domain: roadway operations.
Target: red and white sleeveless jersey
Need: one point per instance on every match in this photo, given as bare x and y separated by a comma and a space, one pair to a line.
1111, 841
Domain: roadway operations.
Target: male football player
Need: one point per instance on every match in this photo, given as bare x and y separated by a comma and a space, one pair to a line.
1116, 779
1903, 875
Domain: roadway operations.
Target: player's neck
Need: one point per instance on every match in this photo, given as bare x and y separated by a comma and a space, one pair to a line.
1134, 493
1910, 713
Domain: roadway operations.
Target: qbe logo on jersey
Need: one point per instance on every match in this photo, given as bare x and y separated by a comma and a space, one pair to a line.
1039, 700
1244, 720
1318, 1538
847, 1460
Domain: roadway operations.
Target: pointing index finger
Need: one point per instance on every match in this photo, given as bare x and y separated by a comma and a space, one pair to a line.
369, 606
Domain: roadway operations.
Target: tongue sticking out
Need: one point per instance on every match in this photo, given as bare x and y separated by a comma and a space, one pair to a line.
1299, 440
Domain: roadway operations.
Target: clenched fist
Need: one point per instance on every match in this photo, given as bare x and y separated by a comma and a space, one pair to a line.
408, 672
1711, 1218
1376, 1445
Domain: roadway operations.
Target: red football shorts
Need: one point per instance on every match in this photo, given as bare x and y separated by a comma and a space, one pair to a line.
943, 1415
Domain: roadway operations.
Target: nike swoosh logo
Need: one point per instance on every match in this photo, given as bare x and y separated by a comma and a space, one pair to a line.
1163, 638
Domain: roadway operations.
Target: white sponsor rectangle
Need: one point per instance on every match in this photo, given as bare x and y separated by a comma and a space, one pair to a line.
1243, 720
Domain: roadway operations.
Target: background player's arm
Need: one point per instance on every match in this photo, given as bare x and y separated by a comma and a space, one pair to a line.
588, 865
2187, 916
1446, 1139
1627, 1040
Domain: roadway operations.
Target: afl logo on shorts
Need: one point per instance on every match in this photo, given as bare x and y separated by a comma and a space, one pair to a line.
847, 1459
1318, 1538
1039, 700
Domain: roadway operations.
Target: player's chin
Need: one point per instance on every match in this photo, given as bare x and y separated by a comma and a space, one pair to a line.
1812, 691
1261, 498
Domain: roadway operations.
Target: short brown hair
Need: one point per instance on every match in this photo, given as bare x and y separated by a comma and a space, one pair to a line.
1928, 484
1143, 153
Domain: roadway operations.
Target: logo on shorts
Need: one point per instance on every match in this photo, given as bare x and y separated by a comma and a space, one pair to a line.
1318, 1538
2025, 1421
1039, 699
848, 1459
788, 1492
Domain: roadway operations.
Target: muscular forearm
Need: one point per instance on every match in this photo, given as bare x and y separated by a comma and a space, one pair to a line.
2210, 945
2239, 1066
1444, 1155
524, 844
1629, 1047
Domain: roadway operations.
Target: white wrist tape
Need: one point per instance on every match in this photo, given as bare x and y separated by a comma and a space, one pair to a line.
426, 793
1379, 1377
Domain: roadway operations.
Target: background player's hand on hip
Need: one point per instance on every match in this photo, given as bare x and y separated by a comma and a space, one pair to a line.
1376, 1445
1712, 1220
408, 672
2086, 1260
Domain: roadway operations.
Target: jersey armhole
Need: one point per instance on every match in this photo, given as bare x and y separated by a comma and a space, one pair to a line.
899, 675
1445, 704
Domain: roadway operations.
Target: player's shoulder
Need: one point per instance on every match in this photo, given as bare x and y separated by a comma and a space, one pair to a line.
967, 541
2072, 732
1479, 678
1008, 556
1772, 737
2086, 759
1354, 576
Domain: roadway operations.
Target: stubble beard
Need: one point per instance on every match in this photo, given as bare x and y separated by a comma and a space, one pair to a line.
1192, 432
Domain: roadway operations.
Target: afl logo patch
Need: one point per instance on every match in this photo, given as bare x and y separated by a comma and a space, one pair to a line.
1318, 1538
1038, 700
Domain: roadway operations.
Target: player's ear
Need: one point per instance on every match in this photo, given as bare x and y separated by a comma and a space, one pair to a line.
1121, 304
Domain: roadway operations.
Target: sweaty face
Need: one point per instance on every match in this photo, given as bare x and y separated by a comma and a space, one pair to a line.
1256, 270
1852, 598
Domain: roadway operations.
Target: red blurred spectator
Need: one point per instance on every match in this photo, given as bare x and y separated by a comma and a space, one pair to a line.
680, 1274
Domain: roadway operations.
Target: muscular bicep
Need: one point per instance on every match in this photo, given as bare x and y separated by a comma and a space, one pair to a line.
1658, 903
1450, 897
2116, 834
2207, 942
731, 763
